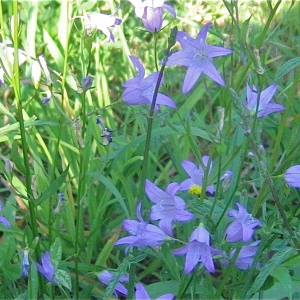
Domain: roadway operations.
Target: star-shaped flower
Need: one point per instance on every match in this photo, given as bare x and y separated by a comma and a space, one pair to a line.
168, 207
198, 249
142, 233
140, 90
151, 12
242, 228
197, 56
292, 176
195, 182
261, 102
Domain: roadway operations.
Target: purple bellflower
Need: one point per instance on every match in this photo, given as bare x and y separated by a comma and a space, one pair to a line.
140, 90
142, 294
194, 184
242, 228
168, 207
261, 102
198, 249
292, 176
151, 13
142, 233
47, 268
245, 258
197, 56
105, 277
3, 220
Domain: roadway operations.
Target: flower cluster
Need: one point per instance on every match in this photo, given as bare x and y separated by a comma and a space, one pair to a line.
169, 208
242, 229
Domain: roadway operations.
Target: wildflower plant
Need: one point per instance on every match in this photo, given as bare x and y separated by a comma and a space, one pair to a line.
125, 131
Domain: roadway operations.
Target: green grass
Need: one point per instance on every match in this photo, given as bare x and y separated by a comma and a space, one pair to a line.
102, 184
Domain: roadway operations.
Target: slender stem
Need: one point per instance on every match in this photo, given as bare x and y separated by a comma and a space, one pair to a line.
152, 110
15, 79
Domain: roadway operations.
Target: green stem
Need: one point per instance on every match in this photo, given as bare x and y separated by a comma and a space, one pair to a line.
152, 110
15, 79
258, 45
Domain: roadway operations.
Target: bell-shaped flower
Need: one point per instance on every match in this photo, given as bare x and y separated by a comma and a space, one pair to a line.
142, 233
197, 250
142, 294
292, 176
194, 184
46, 268
260, 103
168, 207
105, 277
242, 228
197, 56
151, 13
140, 90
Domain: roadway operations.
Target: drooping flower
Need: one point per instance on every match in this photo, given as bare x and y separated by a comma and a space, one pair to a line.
142, 233
86, 82
46, 268
25, 263
246, 256
197, 56
105, 277
261, 102
142, 294
96, 20
3, 220
292, 176
242, 228
168, 207
151, 13
195, 182
198, 249
140, 90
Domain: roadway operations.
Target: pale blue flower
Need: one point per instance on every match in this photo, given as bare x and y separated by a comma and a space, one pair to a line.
168, 207
46, 268
242, 228
195, 182
292, 176
151, 12
197, 56
142, 294
197, 250
105, 277
140, 90
142, 233
261, 102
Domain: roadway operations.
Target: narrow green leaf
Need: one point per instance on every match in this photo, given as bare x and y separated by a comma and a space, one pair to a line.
283, 276
54, 186
288, 67
277, 259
